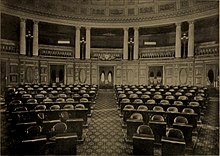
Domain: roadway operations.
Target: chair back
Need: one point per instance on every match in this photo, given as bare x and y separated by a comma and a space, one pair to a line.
172, 109
54, 107
68, 106
180, 120
188, 111
144, 129
59, 128
158, 109
79, 106
157, 118
128, 107
137, 116
142, 108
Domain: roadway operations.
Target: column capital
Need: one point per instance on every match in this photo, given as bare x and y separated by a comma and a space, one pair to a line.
22, 19
125, 28
35, 21
178, 23
88, 28
136, 28
78, 27
191, 22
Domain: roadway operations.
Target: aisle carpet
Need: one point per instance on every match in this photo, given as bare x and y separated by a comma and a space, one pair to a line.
104, 135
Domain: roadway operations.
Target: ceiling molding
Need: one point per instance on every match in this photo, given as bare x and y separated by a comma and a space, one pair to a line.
169, 17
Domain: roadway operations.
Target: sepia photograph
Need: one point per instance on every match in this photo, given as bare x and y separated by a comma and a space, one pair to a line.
109, 77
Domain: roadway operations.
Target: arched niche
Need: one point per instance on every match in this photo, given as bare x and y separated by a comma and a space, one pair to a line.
110, 77
102, 77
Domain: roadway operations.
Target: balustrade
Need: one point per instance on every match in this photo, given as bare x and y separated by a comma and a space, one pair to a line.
157, 52
48, 50
106, 54
209, 49
9, 46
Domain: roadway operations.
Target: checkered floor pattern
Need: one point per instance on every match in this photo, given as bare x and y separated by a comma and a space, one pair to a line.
208, 137
105, 136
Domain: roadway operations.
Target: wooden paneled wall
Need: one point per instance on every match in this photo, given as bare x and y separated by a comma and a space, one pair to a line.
22, 69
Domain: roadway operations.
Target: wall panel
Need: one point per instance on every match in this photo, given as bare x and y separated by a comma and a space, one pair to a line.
82, 73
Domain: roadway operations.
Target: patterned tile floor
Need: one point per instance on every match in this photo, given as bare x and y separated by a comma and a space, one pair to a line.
105, 136
208, 137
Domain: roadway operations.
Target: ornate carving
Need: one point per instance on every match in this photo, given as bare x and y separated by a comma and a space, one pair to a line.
166, 7
209, 49
116, 11
97, 11
56, 51
158, 52
106, 54
54, 13
184, 3
146, 10
9, 46
183, 76
82, 76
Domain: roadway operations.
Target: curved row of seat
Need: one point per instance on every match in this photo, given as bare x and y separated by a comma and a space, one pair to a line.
160, 108
168, 115
46, 109
172, 142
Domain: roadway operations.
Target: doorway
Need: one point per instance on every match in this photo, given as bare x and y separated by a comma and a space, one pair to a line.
155, 75
57, 73
106, 77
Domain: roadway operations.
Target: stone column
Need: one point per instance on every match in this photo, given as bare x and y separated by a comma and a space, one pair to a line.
191, 39
136, 43
22, 36
35, 38
178, 41
77, 43
88, 41
125, 46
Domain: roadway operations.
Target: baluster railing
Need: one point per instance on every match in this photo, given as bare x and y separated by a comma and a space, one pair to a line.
61, 51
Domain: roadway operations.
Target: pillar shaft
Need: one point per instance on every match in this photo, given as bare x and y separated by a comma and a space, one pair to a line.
35, 38
125, 45
136, 43
22, 36
178, 41
88, 41
77, 43
191, 39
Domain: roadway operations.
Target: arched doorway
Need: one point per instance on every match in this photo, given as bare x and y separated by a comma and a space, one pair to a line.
106, 77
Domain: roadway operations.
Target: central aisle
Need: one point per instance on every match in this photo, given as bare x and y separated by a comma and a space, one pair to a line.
104, 134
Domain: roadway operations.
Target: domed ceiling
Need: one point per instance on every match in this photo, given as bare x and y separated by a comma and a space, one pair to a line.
121, 11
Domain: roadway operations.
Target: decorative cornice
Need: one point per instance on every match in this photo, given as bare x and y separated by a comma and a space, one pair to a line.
121, 19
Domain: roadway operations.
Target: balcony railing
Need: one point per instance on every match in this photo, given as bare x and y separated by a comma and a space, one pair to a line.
207, 49
9, 46
157, 52
60, 51
106, 54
